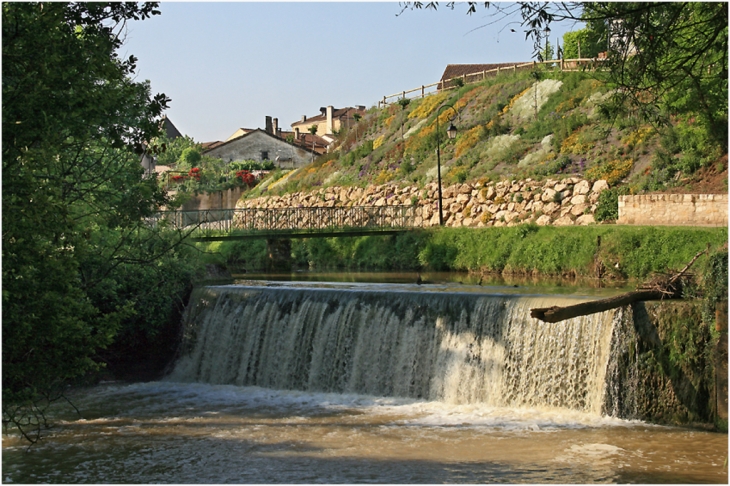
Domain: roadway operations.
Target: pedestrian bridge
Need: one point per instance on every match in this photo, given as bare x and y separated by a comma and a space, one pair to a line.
250, 223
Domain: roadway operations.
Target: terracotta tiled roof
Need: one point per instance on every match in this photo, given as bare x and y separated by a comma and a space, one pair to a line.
457, 70
336, 113
211, 145
305, 140
306, 146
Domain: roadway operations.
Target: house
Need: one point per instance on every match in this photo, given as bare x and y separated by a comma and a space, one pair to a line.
471, 72
282, 148
329, 121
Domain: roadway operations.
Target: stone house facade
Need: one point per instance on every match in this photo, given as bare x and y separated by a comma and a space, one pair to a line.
329, 121
261, 145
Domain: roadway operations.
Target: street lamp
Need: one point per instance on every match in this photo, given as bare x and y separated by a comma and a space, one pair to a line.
451, 133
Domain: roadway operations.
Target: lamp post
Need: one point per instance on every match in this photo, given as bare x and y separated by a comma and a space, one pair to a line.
451, 133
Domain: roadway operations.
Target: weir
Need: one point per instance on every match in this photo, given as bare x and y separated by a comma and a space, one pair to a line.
458, 348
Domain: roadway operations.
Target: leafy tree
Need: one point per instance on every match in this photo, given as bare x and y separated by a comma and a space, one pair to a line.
190, 157
167, 151
75, 198
583, 43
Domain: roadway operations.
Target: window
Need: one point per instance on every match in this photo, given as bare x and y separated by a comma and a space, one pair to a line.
264, 155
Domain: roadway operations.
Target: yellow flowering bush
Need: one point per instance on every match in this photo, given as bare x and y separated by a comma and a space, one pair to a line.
468, 140
384, 176
428, 105
388, 121
638, 137
378, 141
573, 145
612, 171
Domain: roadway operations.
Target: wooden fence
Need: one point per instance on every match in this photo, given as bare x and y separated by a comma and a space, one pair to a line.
429, 89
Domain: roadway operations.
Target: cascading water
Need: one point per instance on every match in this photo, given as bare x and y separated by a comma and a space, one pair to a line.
443, 346
422, 385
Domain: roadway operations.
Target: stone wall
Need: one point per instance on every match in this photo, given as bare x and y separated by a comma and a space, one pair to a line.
673, 209
570, 201
214, 200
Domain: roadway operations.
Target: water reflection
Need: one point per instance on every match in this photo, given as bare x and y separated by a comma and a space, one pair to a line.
448, 281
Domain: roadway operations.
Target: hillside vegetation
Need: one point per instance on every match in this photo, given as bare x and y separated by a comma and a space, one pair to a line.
519, 125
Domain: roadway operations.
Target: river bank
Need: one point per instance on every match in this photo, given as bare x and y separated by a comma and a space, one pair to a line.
599, 251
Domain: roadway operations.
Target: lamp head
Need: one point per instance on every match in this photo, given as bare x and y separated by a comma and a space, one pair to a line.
451, 131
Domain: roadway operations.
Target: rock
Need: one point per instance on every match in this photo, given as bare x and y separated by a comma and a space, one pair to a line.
599, 186
579, 199
582, 187
578, 209
548, 195
463, 197
560, 187
585, 219
543, 220
563, 221
550, 208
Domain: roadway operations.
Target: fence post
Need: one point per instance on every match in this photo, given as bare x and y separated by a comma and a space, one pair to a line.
423, 92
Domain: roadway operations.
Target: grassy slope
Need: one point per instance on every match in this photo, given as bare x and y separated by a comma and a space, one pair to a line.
501, 136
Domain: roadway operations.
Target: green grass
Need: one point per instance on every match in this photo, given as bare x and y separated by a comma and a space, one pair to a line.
625, 251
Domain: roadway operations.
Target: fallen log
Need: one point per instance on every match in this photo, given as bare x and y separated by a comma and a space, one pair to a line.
557, 314
659, 289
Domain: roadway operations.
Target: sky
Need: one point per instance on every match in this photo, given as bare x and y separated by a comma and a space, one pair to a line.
228, 65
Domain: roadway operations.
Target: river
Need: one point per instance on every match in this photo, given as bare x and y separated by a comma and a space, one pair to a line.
345, 383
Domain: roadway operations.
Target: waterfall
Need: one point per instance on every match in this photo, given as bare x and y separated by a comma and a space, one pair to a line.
447, 346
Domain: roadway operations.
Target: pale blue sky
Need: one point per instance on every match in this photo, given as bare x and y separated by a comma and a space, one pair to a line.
228, 65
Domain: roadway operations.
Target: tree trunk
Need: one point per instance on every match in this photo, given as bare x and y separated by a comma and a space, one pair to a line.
557, 314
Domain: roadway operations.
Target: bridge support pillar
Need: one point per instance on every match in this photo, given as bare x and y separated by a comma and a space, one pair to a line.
279, 252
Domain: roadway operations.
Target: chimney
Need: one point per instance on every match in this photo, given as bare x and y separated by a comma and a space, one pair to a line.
275, 127
268, 124
322, 110
304, 118
360, 107
329, 129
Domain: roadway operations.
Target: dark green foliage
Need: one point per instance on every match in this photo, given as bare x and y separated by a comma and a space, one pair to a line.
190, 157
168, 152
237, 165
81, 264
586, 42
363, 150
607, 209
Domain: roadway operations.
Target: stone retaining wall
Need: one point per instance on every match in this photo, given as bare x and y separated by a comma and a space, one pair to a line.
673, 209
215, 200
570, 201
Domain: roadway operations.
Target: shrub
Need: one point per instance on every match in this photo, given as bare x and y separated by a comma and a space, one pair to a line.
613, 171
607, 208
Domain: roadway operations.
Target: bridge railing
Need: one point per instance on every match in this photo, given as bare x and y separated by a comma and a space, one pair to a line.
283, 221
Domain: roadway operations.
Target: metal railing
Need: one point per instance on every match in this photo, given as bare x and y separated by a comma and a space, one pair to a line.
446, 84
261, 222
